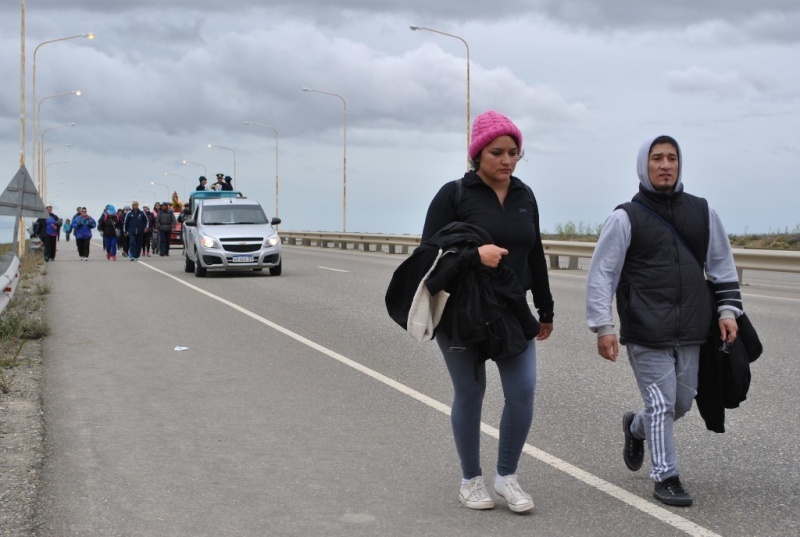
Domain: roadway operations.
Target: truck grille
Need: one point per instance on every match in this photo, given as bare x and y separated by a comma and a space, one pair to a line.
241, 248
232, 244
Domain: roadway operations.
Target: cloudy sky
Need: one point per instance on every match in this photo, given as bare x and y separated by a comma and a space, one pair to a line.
585, 80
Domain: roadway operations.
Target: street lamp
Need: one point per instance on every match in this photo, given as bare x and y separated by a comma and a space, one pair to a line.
344, 161
39, 115
165, 188
184, 182
276, 158
52, 164
466, 45
234, 160
43, 178
55, 147
205, 171
35, 120
151, 193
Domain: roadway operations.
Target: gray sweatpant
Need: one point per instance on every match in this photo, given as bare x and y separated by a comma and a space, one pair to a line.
667, 380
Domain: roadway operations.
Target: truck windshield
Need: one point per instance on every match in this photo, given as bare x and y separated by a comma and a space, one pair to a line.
233, 214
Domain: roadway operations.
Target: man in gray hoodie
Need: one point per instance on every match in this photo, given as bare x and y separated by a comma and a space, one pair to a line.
655, 254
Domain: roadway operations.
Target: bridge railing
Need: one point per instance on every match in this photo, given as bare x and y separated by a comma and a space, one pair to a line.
770, 260
9, 264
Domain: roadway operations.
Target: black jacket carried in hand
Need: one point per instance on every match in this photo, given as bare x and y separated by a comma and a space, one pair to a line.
723, 379
487, 307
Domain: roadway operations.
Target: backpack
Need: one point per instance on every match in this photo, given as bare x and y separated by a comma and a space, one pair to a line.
165, 224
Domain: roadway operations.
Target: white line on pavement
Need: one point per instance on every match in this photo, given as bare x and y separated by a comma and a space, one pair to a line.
333, 269
623, 495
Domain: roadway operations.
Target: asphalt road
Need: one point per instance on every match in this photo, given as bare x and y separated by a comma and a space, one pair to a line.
300, 409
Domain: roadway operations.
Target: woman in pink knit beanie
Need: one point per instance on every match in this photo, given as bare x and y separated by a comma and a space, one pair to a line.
489, 197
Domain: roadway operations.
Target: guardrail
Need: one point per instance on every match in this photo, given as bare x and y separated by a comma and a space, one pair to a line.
9, 279
770, 260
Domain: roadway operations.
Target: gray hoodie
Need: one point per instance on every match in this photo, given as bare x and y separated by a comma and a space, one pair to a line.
612, 246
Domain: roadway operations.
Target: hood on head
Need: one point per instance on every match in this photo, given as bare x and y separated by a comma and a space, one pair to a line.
643, 158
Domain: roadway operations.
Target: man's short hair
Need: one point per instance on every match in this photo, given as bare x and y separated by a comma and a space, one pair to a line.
664, 139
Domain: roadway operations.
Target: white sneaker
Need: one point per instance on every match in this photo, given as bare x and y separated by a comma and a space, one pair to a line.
474, 495
508, 488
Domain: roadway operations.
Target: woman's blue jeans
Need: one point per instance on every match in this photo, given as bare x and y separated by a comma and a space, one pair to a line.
518, 377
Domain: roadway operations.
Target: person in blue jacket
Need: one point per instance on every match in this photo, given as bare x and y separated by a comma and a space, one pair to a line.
136, 224
48, 232
83, 224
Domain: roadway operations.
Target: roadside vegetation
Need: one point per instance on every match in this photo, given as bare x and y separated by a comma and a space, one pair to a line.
23, 320
786, 239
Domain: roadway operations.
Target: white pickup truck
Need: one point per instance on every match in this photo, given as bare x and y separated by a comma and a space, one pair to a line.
231, 234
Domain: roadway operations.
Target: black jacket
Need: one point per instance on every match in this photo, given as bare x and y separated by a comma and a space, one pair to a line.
513, 225
108, 224
723, 379
487, 307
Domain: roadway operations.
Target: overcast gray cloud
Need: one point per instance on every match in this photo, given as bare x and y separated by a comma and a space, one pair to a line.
724, 84
585, 81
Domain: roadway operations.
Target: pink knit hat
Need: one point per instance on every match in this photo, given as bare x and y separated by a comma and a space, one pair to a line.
487, 127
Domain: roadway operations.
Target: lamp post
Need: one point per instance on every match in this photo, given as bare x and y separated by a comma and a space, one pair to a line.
151, 193
276, 158
184, 182
234, 160
55, 147
466, 45
39, 115
47, 166
344, 161
43, 178
165, 188
35, 120
205, 171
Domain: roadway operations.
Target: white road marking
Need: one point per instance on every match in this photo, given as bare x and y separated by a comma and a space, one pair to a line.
621, 494
333, 269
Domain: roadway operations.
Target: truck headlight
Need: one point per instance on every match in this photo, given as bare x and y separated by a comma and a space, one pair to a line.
273, 240
209, 242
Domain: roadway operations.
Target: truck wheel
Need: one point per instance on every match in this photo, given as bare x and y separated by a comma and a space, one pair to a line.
199, 270
276, 271
188, 264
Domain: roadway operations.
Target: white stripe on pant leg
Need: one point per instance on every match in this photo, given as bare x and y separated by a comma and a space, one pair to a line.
657, 431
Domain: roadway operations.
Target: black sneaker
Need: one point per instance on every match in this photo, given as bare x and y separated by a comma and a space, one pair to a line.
671, 492
633, 452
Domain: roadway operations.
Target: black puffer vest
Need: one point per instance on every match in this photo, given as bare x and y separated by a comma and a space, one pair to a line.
662, 297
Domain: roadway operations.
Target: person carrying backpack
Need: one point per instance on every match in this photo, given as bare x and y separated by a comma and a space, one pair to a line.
108, 225
490, 198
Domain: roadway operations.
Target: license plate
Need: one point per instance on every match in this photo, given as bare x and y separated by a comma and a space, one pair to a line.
243, 259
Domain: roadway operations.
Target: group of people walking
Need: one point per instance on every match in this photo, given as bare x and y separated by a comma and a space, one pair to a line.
133, 231
481, 251
137, 231
49, 230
